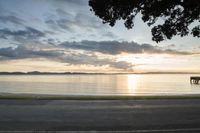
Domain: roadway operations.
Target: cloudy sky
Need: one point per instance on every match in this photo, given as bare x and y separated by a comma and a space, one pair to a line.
64, 35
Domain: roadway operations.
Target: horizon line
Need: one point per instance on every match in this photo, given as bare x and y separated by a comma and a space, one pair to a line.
40, 73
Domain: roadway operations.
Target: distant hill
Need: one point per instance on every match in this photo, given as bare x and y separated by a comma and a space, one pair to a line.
84, 73
43, 73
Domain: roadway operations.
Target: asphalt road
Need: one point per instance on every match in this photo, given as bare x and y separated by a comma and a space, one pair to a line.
139, 116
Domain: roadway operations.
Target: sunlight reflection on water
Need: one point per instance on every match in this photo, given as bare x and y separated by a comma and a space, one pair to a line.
133, 84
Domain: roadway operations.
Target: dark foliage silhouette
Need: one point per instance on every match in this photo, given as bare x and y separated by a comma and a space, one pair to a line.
177, 15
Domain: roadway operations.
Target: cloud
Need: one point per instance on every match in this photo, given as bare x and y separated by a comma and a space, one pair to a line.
84, 59
64, 56
11, 19
65, 24
78, 2
109, 35
71, 2
115, 47
62, 13
68, 22
27, 33
64, 20
22, 52
83, 52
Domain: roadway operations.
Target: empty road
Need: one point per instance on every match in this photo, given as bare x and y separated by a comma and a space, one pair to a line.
139, 116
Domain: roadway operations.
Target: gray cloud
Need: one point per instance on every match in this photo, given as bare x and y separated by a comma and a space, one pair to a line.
11, 19
79, 22
81, 59
74, 2
62, 13
115, 47
23, 52
27, 33
109, 34
65, 24
78, 2
71, 23
52, 41
52, 24
67, 52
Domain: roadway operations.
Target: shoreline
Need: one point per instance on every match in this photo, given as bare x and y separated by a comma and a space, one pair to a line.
94, 97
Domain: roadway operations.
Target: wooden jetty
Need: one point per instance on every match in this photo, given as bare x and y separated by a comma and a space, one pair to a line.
194, 80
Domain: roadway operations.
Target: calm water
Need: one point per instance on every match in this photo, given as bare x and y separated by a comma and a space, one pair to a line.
144, 84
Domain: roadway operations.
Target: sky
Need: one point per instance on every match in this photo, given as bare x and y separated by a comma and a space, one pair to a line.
65, 36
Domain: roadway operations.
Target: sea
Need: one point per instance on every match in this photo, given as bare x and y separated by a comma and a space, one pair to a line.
99, 84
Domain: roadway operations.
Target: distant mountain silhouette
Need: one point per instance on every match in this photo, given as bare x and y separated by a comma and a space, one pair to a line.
43, 73
84, 73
